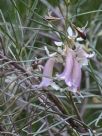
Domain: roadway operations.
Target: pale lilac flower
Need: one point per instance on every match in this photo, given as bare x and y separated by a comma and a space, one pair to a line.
68, 65
76, 76
47, 73
74, 61
72, 71
75, 79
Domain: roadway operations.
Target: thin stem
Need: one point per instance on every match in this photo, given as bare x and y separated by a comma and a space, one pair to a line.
87, 79
75, 107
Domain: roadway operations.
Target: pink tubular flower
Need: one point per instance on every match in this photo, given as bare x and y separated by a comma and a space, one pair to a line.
68, 66
76, 76
75, 58
75, 79
47, 73
72, 71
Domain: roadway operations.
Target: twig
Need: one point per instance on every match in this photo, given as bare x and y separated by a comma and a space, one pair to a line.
82, 111
71, 121
17, 66
75, 108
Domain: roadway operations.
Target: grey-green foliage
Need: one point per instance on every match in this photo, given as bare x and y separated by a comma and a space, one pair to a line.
23, 34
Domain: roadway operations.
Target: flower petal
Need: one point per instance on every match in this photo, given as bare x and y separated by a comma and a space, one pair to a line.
71, 33
82, 53
47, 73
79, 39
58, 43
69, 82
68, 66
82, 56
90, 55
76, 75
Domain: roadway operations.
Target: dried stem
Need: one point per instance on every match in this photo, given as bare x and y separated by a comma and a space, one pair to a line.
75, 107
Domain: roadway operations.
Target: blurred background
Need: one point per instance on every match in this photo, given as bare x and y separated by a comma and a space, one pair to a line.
28, 30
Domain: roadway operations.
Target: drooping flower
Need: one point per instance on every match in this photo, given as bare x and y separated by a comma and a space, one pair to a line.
75, 77
68, 65
72, 71
72, 74
75, 58
47, 73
